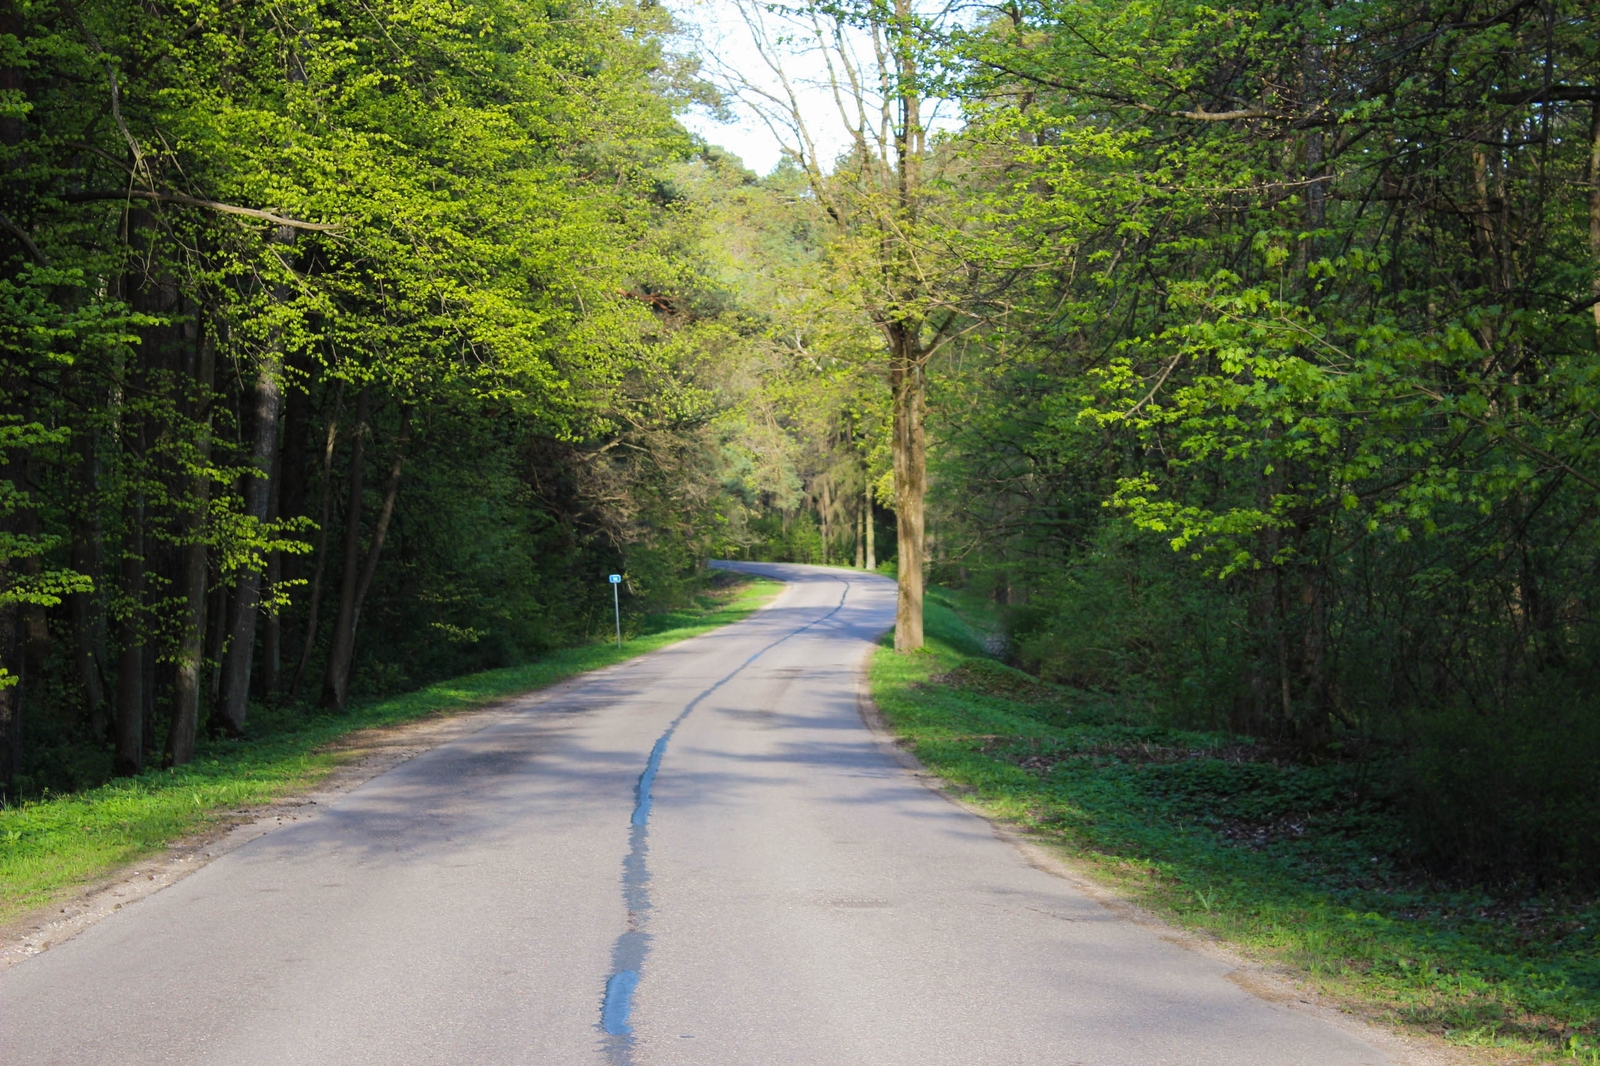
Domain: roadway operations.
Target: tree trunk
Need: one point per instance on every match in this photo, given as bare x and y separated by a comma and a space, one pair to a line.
129, 757
870, 522
35, 623
11, 693
217, 643
341, 684
1594, 213
14, 675
861, 558
86, 610
331, 437
271, 637
247, 592
191, 646
910, 484
337, 676
826, 502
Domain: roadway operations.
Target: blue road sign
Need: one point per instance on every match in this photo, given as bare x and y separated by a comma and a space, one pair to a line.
616, 579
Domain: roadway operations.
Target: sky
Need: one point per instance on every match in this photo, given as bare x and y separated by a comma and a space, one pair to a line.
716, 30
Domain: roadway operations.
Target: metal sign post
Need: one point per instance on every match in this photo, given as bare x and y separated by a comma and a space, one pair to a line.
616, 605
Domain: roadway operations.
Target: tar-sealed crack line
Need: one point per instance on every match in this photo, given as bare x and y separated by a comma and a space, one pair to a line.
628, 953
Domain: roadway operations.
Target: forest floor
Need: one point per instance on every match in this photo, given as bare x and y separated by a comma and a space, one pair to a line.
1295, 866
62, 854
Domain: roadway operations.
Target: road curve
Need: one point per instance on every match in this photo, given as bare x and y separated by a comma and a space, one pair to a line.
700, 856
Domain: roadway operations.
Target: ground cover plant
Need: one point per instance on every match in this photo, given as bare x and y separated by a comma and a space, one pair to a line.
1302, 864
55, 843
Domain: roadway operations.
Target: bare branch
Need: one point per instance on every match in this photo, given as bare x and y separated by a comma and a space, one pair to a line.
194, 201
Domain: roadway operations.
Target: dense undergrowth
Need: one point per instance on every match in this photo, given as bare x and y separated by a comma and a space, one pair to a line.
1303, 864
57, 842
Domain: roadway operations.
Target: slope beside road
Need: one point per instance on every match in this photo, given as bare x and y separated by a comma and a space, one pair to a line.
700, 856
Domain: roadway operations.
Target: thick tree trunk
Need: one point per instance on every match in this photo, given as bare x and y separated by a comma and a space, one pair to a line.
861, 522
129, 730
11, 695
14, 678
35, 623
385, 513
341, 685
240, 655
216, 644
192, 587
1594, 212
909, 446
86, 610
247, 592
323, 519
272, 635
337, 675
826, 502
289, 500
870, 522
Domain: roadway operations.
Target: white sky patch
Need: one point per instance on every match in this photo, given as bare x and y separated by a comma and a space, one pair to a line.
717, 30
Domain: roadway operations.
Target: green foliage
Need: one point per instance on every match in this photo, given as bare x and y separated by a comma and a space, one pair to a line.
1310, 313
54, 843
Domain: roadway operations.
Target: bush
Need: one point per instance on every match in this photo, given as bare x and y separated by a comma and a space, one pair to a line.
1123, 617
1508, 797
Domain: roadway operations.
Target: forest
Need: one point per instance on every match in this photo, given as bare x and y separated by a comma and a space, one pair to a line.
1243, 359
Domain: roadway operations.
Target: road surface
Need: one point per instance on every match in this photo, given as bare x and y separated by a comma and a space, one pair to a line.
700, 857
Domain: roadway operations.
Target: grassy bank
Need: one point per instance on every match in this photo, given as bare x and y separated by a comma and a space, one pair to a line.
49, 846
1299, 866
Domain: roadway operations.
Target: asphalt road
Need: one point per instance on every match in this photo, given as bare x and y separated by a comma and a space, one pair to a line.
701, 856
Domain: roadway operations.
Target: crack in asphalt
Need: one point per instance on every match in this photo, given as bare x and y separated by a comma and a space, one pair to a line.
628, 953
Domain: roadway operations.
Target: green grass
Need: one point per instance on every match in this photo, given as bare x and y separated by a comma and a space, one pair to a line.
50, 846
1299, 866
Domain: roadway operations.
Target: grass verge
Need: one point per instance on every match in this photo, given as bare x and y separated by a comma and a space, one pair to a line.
56, 843
1297, 866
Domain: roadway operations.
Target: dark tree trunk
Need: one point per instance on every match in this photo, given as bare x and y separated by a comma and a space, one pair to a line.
11, 694
217, 642
247, 592
192, 580
86, 610
1594, 214
323, 520
272, 629
861, 558
341, 685
337, 676
129, 757
14, 678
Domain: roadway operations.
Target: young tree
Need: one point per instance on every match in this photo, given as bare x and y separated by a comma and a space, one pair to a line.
882, 197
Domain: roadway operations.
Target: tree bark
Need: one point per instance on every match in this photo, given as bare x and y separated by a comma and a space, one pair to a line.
129, 730
910, 484
191, 646
866, 511
330, 438
217, 642
86, 610
11, 658
11, 693
341, 685
271, 637
826, 502
247, 592
337, 675
1594, 213
861, 556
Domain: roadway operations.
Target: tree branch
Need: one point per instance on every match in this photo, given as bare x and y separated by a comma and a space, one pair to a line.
22, 235
193, 201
